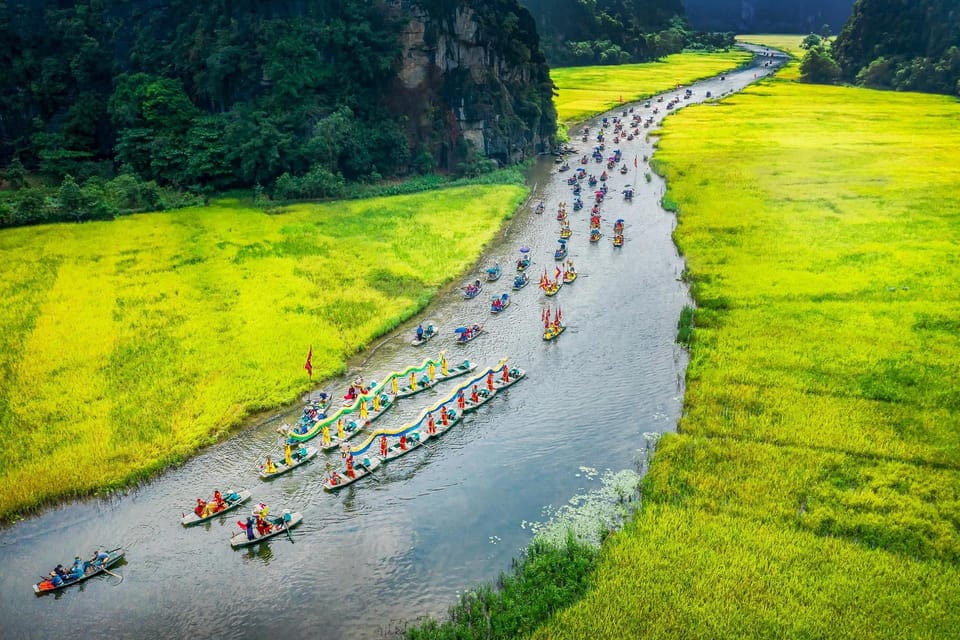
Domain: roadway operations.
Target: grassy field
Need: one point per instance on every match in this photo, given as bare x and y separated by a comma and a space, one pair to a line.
587, 91
128, 344
785, 42
813, 490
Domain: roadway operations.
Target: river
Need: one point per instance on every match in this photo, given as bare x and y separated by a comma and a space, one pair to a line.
438, 521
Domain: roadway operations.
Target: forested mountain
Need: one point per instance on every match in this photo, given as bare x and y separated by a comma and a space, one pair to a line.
911, 46
226, 93
768, 16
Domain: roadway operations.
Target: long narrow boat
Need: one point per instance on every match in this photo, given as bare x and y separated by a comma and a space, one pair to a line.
380, 394
311, 453
337, 480
90, 570
191, 518
425, 383
240, 539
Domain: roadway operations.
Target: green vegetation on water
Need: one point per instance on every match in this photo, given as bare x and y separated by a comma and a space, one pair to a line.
128, 344
586, 91
813, 489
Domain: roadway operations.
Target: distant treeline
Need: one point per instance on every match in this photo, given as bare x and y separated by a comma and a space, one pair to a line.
586, 32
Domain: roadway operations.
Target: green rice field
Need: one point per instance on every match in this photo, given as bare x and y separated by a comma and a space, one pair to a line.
586, 91
128, 344
813, 489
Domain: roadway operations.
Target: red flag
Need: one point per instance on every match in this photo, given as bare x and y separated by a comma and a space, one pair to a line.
558, 272
308, 365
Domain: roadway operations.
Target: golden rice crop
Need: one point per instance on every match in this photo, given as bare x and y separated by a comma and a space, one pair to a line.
128, 344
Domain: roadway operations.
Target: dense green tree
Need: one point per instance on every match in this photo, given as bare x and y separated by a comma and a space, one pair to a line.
819, 66
908, 46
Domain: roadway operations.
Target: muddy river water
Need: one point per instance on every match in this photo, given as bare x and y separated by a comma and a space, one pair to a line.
440, 520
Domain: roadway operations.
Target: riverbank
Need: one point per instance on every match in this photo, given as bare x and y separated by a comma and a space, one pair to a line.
583, 92
130, 344
814, 485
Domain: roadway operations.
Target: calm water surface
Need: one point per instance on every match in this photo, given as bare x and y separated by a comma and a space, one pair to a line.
440, 520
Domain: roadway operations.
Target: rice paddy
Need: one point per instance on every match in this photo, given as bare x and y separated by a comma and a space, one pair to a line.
587, 91
813, 489
126, 345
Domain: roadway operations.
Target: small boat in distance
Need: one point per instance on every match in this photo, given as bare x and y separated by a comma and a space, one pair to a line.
90, 569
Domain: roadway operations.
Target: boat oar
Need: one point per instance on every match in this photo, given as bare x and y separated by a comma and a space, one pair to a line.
115, 575
287, 529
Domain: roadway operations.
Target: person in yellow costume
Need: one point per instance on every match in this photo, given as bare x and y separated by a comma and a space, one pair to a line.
413, 381
287, 457
432, 371
363, 409
394, 385
340, 433
269, 467
376, 402
326, 434
443, 365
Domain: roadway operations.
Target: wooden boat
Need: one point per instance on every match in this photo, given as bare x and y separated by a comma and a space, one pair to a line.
191, 518
428, 334
553, 331
309, 454
469, 293
562, 214
493, 273
552, 288
618, 240
595, 235
565, 233
279, 527
484, 394
412, 440
539, 208
464, 337
337, 480
628, 194
425, 383
560, 253
350, 429
569, 276
521, 281
45, 586
504, 302
523, 263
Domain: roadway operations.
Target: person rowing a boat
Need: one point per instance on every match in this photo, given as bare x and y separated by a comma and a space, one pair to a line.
247, 527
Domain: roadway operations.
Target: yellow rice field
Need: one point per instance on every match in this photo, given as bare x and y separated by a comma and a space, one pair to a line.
586, 91
128, 344
813, 490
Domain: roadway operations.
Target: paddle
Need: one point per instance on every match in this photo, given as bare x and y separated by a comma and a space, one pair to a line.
115, 575
287, 529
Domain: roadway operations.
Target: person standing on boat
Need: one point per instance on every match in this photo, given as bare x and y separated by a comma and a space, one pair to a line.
431, 424
287, 457
383, 446
419, 333
490, 381
326, 434
247, 527
403, 442
443, 416
475, 396
461, 401
350, 472
506, 374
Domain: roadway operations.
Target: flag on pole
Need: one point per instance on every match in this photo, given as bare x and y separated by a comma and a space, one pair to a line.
308, 365
557, 274
634, 162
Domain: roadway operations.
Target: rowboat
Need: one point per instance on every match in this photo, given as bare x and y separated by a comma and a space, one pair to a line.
191, 518
552, 331
566, 232
90, 570
499, 304
618, 240
561, 251
467, 334
411, 441
595, 235
552, 288
337, 480
472, 291
493, 273
428, 334
569, 276
521, 281
305, 455
279, 526
484, 394
523, 263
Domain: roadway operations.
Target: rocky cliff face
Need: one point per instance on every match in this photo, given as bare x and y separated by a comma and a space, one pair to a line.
473, 80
